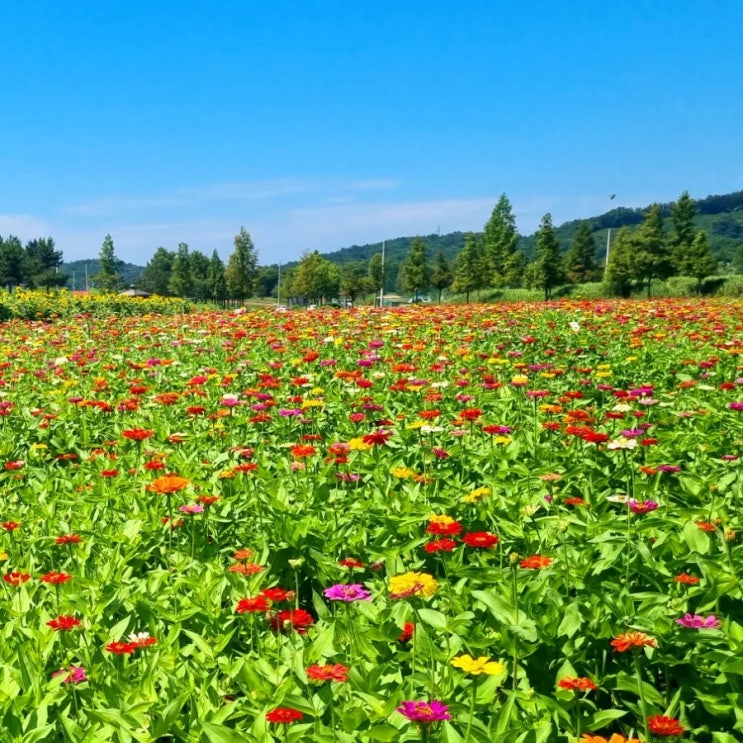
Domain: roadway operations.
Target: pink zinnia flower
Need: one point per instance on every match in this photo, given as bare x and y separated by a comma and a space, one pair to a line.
425, 712
695, 621
347, 592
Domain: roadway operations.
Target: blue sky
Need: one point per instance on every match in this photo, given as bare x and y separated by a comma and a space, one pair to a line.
322, 124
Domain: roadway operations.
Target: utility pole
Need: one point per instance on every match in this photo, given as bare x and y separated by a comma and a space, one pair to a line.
381, 291
278, 288
608, 241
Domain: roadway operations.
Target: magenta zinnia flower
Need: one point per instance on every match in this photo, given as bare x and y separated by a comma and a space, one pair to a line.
424, 711
642, 507
347, 592
695, 621
73, 675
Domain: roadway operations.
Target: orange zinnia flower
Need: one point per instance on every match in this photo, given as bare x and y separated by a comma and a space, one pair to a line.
615, 738
168, 484
536, 562
631, 640
137, 434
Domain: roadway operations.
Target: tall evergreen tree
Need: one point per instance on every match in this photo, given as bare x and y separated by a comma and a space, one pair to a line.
181, 282
619, 270
108, 278
12, 260
41, 264
242, 265
683, 232
652, 258
548, 271
468, 273
215, 278
156, 275
416, 271
499, 245
198, 266
580, 260
697, 260
442, 275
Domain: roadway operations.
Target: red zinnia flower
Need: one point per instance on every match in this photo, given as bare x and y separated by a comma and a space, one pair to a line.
577, 684
252, 605
286, 715
297, 619
662, 725
55, 578
137, 434
690, 580
68, 539
448, 529
407, 632
440, 545
351, 562
481, 539
377, 438
10, 525
277, 594
16, 578
300, 451
121, 648
334, 672
63, 622
246, 568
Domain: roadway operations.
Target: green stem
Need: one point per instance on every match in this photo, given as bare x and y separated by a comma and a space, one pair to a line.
472, 710
643, 708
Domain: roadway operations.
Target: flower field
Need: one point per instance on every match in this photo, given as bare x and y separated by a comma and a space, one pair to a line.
513, 523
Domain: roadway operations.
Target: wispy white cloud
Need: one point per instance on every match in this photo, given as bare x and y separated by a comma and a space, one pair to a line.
236, 193
23, 226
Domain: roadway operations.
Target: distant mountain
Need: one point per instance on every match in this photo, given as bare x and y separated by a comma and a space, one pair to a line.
76, 272
720, 216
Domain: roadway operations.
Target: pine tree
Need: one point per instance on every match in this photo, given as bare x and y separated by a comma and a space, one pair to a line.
651, 259
41, 264
468, 273
181, 281
619, 270
442, 275
108, 277
11, 262
499, 245
580, 260
215, 278
548, 271
416, 271
697, 260
198, 266
683, 233
156, 275
241, 268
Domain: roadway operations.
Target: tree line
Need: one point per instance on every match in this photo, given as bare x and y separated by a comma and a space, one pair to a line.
490, 260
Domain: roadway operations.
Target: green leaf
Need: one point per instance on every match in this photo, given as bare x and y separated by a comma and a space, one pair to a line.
696, 540
434, 618
221, 733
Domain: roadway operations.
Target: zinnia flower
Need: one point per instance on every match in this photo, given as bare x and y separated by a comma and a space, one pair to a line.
695, 621
120, 648
252, 605
480, 539
574, 683
631, 640
168, 484
412, 584
440, 545
285, 715
73, 675
425, 712
478, 666
55, 578
297, 619
662, 725
690, 580
536, 562
63, 623
137, 434
334, 672
15, 578
615, 738
347, 592
407, 632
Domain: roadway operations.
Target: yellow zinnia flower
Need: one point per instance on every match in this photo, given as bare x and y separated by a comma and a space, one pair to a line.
412, 584
478, 666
